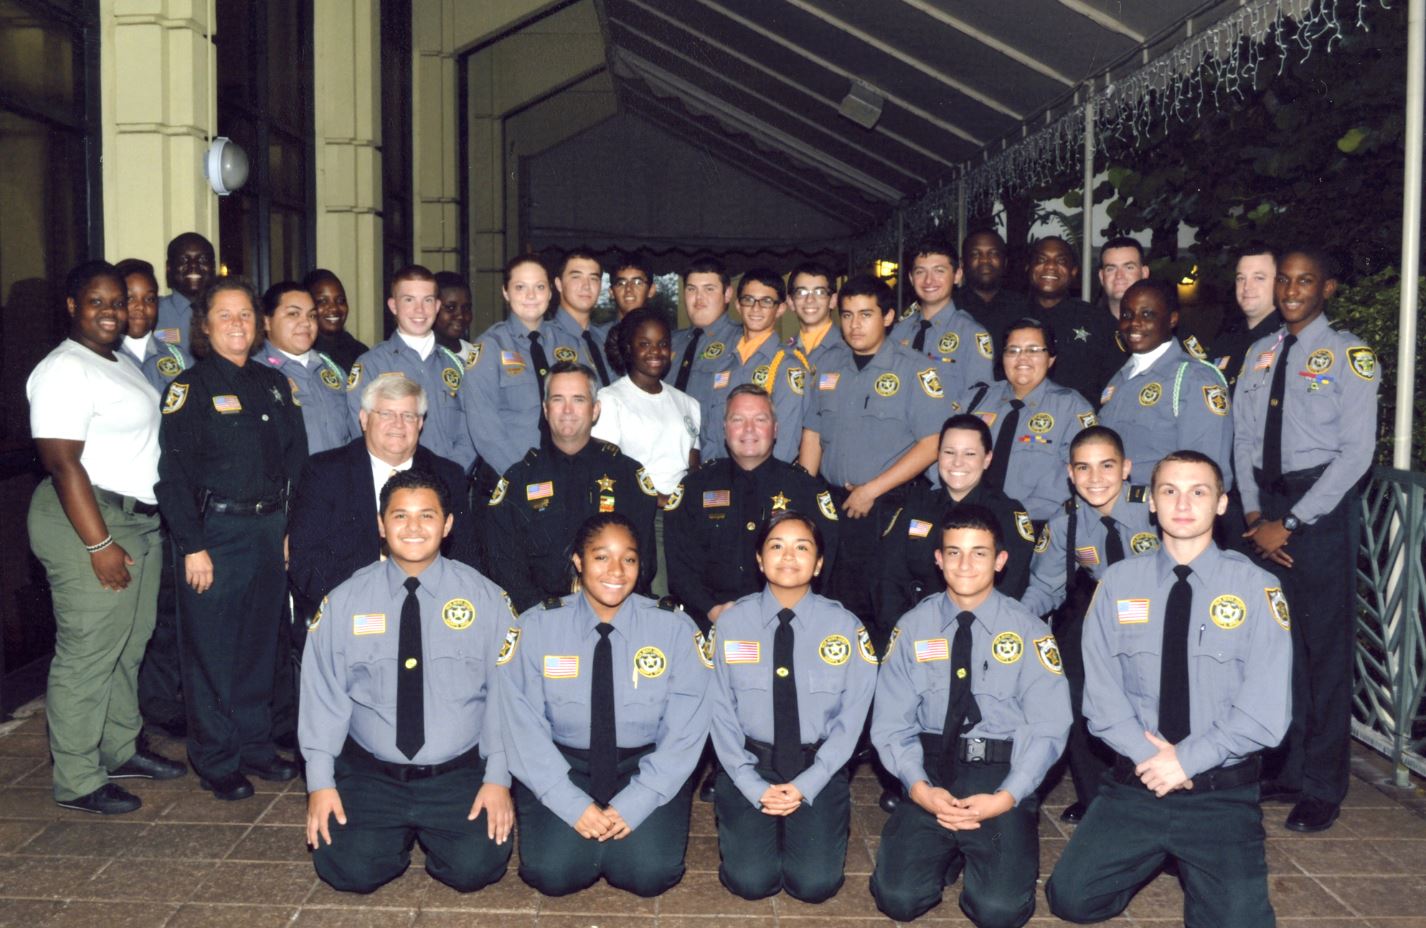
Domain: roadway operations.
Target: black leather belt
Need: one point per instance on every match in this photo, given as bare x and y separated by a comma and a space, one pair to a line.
238, 507
363, 760
125, 503
1290, 484
1221, 777
968, 750
762, 751
582, 755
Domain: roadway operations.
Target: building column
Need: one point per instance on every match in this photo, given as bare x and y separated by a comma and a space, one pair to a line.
435, 149
346, 39
158, 92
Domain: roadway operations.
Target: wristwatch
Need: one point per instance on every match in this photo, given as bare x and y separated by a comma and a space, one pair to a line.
1291, 522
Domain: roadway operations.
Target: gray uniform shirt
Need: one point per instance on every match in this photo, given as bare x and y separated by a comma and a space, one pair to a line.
661, 681
175, 318
779, 368
1329, 410
570, 332
1176, 402
319, 387
161, 361
956, 339
440, 374
713, 346
1052, 417
867, 419
831, 344
1016, 678
833, 664
1239, 658
349, 668
1050, 567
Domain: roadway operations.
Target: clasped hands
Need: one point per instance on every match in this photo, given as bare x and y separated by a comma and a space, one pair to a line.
963, 813
601, 824
1162, 773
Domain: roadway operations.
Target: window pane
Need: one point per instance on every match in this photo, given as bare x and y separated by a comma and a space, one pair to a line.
37, 61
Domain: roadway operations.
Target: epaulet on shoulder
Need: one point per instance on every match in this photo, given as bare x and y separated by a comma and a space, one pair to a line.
531, 455
554, 602
669, 604
1071, 504
608, 447
797, 466
1136, 493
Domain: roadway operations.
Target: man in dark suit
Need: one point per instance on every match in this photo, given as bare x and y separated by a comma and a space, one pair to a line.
332, 529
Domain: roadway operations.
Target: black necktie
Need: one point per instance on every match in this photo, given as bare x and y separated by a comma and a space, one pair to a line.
919, 342
786, 729
541, 362
1113, 546
962, 713
603, 739
1173, 672
410, 693
1272, 434
1004, 441
597, 357
685, 367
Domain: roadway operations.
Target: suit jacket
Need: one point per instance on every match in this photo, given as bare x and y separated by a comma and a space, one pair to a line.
332, 526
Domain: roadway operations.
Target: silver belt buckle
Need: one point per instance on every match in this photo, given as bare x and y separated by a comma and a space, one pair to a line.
975, 750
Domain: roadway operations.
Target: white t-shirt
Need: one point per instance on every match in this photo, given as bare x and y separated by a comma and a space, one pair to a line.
78, 395
655, 429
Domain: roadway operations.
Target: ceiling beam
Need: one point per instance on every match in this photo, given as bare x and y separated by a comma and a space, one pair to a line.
777, 75
886, 48
990, 41
758, 128
791, 46
1102, 19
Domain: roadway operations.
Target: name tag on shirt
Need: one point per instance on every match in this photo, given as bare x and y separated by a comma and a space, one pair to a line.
227, 404
932, 649
369, 623
1132, 611
561, 666
742, 652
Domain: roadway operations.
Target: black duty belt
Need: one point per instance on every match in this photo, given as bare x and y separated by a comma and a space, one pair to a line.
580, 756
762, 751
1221, 777
1291, 484
360, 759
968, 750
241, 507
125, 503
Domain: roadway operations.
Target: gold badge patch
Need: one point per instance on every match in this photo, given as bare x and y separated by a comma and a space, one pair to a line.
930, 383
451, 378
1192, 345
1144, 541
1227, 611
646, 483
1048, 651
1024, 526
1042, 544
1087, 420
1007, 647
650, 662
498, 495
984, 345
1150, 394
948, 343
1215, 397
826, 506
705, 646
797, 380
674, 499
779, 502
508, 646
458, 614
567, 354
1277, 602
713, 351
1363, 362
175, 397
864, 648
1040, 423
168, 366
835, 650
1320, 361
760, 375
354, 377
329, 379
472, 357
887, 384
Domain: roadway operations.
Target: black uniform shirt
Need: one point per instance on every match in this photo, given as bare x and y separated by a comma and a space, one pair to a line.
344, 348
1088, 352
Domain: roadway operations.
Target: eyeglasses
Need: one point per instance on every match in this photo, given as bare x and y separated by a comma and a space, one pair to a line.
388, 416
802, 293
1031, 351
766, 302
622, 282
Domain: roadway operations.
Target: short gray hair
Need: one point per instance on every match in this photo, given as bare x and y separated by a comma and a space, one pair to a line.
572, 367
393, 386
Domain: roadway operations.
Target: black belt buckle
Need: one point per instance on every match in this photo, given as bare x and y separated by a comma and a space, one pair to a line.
975, 750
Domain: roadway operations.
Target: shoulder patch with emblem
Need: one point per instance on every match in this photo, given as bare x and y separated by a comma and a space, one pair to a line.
508, 646
1007, 647
354, 377
316, 620
826, 506
1048, 651
910, 311
1277, 602
948, 343
472, 357
498, 495
509, 604
1151, 394
650, 662
930, 383
887, 384
984, 345
458, 613
1024, 526
174, 397
1215, 397
797, 380
1137, 493
646, 483
835, 650
864, 647
1195, 348
1042, 544
1363, 362
1143, 542
1087, 420
1227, 611
553, 602
704, 644
674, 499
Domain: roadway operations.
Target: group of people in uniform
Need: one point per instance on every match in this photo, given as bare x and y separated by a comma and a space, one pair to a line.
511, 620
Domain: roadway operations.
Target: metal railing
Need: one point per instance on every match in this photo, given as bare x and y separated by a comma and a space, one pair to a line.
1390, 672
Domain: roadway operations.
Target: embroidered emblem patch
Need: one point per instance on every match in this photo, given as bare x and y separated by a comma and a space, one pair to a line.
930, 384
983, 345
227, 404
1277, 602
826, 506
1150, 394
1144, 541
1320, 361
864, 648
458, 614
566, 353
175, 397
646, 483
1040, 423
508, 646
330, 379
168, 366
918, 528
1087, 420
354, 377
835, 650
760, 375
887, 384
1215, 397
498, 495
1227, 611
1024, 526
1042, 544
650, 662
1048, 651
797, 380
1363, 362
948, 343
1007, 647
703, 644
369, 623
713, 351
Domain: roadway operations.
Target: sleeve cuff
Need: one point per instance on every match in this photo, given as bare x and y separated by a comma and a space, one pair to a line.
567, 801
635, 803
1196, 755
497, 771
811, 782
1018, 785
913, 776
321, 772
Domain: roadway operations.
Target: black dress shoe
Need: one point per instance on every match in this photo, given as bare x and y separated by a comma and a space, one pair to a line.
106, 800
1276, 791
1073, 813
146, 765
889, 800
1311, 814
276, 770
229, 788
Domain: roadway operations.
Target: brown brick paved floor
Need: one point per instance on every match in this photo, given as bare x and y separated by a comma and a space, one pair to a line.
186, 860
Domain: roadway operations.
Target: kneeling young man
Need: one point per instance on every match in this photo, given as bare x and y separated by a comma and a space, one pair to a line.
1188, 664
397, 719
971, 710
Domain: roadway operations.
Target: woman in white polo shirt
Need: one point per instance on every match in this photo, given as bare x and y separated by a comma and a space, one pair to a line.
651, 421
94, 525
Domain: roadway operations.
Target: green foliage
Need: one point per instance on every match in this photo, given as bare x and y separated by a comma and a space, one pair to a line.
1370, 310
